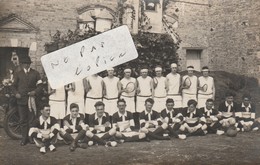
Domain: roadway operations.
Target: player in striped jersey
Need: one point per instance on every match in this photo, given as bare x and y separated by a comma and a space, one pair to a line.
174, 118
124, 124
151, 123
245, 115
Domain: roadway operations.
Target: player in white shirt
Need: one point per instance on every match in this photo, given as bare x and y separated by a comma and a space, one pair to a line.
57, 103
174, 83
94, 92
111, 90
160, 90
189, 86
206, 87
128, 96
75, 95
144, 89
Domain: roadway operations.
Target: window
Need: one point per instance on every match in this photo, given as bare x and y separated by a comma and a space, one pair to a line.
193, 57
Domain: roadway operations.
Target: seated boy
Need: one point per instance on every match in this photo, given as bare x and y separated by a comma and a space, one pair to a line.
44, 130
245, 115
227, 110
193, 125
174, 119
211, 118
150, 122
124, 125
74, 128
100, 127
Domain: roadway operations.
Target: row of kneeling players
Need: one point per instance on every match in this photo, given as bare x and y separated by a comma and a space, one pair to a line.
101, 130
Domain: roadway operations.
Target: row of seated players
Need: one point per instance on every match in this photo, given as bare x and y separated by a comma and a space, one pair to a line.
176, 123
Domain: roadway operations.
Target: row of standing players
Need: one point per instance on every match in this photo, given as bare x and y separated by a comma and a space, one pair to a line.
110, 88
99, 128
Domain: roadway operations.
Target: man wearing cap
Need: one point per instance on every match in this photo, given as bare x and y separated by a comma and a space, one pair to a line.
206, 87
111, 87
128, 96
144, 89
189, 86
27, 84
94, 92
160, 89
174, 83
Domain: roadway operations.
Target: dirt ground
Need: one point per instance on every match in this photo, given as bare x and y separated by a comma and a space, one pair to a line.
210, 149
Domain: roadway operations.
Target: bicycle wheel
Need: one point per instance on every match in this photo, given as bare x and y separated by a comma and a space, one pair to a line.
11, 124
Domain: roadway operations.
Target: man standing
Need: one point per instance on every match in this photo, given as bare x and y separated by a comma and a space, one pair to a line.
26, 86
144, 89
206, 87
128, 96
111, 90
160, 89
189, 86
174, 83
94, 90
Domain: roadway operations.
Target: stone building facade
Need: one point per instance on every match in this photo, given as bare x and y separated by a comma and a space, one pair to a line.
223, 34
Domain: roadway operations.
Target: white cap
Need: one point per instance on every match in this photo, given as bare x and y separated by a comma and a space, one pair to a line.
144, 70
173, 65
158, 69
110, 69
127, 70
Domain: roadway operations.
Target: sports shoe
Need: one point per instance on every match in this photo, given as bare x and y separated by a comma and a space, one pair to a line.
182, 136
82, 145
43, 150
255, 129
220, 132
90, 143
111, 144
52, 148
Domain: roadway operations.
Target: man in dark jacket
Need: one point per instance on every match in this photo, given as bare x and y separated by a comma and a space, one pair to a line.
26, 86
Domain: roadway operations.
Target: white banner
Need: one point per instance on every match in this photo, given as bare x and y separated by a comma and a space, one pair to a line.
85, 58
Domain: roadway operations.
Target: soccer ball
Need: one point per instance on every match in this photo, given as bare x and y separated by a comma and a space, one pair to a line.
231, 132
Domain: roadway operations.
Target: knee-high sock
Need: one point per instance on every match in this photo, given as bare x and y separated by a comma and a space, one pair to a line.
67, 137
106, 136
98, 140
81, 135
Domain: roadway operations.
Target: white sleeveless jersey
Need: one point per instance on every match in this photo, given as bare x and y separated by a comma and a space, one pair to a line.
206, 80
111, 87
96, 86
79, 90
194, 84
160, 90
174, 83
124, 82
59, 95
145, 86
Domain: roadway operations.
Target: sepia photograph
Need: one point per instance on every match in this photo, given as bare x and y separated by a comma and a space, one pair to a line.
137, 82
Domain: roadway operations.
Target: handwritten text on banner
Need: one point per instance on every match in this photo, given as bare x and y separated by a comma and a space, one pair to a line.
85, 58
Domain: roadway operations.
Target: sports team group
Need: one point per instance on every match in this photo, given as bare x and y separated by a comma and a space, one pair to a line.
167, 107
